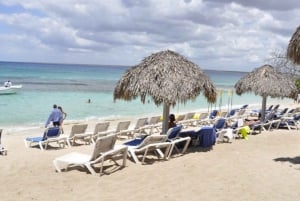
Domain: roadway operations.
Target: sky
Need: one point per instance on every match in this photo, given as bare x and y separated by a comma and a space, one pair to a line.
214, 34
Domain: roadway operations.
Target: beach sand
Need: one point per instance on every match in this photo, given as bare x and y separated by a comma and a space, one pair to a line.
264, 167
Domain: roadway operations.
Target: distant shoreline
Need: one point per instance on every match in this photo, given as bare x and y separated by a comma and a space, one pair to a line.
101, 65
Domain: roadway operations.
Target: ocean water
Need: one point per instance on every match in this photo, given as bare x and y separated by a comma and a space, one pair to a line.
71, 85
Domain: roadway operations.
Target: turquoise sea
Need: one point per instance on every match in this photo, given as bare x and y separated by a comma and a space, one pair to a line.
71, 85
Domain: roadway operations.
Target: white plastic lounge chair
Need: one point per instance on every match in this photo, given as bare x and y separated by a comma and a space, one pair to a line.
276, 107
290, 122
140, 123
213, 114
103, 150
122, 129
154, 125
139, 127
188, 119
151, 143
244, 107
122, 126
236, 114
50, 135
3, 151
202, 120
154, 120
224, 114
78, 131
232, 113
174, 139
180, 117
267, 124
242, 113
281, 113
100, 130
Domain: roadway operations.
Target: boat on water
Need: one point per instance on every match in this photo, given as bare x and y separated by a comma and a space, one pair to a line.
10, 90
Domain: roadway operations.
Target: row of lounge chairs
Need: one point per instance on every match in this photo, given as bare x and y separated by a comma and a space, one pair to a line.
142, 142
274, 119
79, 132
143, 125
54, 135
137, 149
231, 124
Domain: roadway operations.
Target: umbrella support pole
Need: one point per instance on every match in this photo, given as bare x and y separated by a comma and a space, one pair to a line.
166, 112
263, 108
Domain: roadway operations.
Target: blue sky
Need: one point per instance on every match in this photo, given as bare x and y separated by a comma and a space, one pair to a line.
215, 34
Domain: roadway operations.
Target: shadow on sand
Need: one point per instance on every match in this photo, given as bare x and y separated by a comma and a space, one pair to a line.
294, 160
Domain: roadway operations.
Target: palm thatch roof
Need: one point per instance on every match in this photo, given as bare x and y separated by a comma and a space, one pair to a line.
266, 81
293, 51
168, 78
165, 76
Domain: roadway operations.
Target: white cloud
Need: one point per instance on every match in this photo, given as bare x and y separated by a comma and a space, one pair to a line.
216, 34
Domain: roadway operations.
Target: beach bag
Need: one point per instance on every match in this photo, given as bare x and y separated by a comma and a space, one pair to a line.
244, 131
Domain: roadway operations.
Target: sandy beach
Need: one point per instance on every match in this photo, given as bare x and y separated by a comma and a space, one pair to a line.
264, 167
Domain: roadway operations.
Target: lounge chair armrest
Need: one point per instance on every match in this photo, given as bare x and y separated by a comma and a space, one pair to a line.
117, 150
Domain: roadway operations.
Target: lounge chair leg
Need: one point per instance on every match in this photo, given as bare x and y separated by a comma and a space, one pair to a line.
101, 168
92, 171
160, 153
186, 146
3, 151
166, 154
134, 157
124, 156
46, 145
41, 146
171, 150
69, 143
55, 162
144, 156
26, 144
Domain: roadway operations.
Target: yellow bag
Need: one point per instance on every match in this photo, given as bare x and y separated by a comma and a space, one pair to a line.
245, 131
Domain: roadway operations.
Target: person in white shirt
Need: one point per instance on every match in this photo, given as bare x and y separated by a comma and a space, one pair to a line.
7, 83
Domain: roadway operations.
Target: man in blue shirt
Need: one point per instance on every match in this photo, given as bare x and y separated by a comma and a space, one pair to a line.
55, 117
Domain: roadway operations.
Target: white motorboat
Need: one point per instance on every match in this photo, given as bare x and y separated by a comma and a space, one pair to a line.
10, 90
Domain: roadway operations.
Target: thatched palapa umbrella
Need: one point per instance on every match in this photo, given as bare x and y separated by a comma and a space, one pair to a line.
168, 78
266, 81
293, 51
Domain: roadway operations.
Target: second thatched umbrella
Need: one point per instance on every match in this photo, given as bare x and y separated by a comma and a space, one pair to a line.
266, 81
168, 78
293, 51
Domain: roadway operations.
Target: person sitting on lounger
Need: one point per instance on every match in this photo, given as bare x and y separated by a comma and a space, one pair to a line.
172, 121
